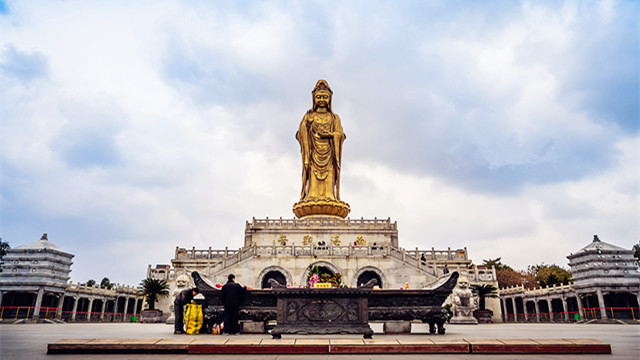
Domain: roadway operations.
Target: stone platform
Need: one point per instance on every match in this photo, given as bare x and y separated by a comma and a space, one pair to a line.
239, 345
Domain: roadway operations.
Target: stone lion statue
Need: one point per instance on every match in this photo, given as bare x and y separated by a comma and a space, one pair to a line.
182, 282
463, 305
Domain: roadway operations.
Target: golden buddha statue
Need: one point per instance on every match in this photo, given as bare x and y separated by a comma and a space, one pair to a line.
320, 136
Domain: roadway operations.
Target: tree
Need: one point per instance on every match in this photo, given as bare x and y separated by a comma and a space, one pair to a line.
484, 291
106, 283
549, 275
4, 247
91, 283
496, 263
508, 277
153, 290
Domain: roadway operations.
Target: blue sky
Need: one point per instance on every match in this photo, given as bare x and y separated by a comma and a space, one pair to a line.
507, 127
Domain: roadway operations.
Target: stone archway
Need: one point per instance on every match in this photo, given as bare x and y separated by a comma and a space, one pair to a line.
324, 266
272, 272
367, 273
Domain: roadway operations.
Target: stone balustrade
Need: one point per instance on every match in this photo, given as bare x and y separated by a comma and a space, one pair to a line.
326, 250
97, 290
352, 223
218, 259
540, 291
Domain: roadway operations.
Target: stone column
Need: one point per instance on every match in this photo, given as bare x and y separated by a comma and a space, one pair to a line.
104, 307
550, 306
564, 308
60, 305
535, 302
88, 318
601, 305
75, 308
580, 307
36, 309
115, 309
126, 307
135, 306
515, 310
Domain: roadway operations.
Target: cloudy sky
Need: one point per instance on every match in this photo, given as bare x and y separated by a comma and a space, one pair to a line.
130, 128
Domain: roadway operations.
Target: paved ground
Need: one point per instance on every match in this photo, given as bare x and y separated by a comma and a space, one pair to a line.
29, 341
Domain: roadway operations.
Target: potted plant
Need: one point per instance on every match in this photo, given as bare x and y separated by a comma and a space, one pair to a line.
483, 292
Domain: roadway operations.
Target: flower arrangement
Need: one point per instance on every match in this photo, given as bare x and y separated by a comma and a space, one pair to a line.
317, 276
313, 279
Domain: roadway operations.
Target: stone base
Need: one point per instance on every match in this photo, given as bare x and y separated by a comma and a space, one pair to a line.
252, 327
464, 320
397, 327
321, 207
363, 329
216, 345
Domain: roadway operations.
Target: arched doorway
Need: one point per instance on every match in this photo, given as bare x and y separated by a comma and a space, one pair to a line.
367, 275
324, 267
273, 274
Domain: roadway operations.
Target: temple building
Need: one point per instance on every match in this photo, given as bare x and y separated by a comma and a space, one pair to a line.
606, 285
322, 236
359, 250
34, 284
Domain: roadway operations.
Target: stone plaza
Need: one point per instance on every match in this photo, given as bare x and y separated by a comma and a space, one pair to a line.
26, 342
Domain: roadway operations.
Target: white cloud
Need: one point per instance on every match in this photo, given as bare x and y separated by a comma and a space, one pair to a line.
163, 124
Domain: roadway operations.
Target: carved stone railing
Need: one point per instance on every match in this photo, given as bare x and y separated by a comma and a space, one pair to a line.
352, 223
433, 254
98, 291
540, 291
327, 250
432, 262
201, 254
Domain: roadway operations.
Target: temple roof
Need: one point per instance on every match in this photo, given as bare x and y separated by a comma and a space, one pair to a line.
598, 244
43, 243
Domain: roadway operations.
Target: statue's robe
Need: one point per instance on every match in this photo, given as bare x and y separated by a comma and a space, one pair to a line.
321, 156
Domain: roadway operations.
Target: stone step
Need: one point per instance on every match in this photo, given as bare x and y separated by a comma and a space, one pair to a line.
408, 345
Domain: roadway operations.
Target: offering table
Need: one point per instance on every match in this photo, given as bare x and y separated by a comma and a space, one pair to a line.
333, 310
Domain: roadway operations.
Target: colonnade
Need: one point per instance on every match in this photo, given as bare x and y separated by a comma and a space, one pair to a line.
514, 313
603, 309
103, 309
77, 297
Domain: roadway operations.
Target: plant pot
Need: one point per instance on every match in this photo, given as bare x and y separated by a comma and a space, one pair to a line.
483, 316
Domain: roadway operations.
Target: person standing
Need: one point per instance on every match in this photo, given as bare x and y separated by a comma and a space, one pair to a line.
185, 297
231, 296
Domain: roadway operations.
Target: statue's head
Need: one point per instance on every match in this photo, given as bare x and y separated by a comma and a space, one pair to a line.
463, 282
322, 95
182, 281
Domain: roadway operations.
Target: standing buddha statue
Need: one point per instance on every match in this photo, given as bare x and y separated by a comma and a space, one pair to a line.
321, 136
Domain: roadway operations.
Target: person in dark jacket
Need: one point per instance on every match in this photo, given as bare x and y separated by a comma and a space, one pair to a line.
181, 300
231, 296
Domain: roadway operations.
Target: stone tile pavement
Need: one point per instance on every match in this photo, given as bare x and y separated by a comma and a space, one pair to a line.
29, 341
